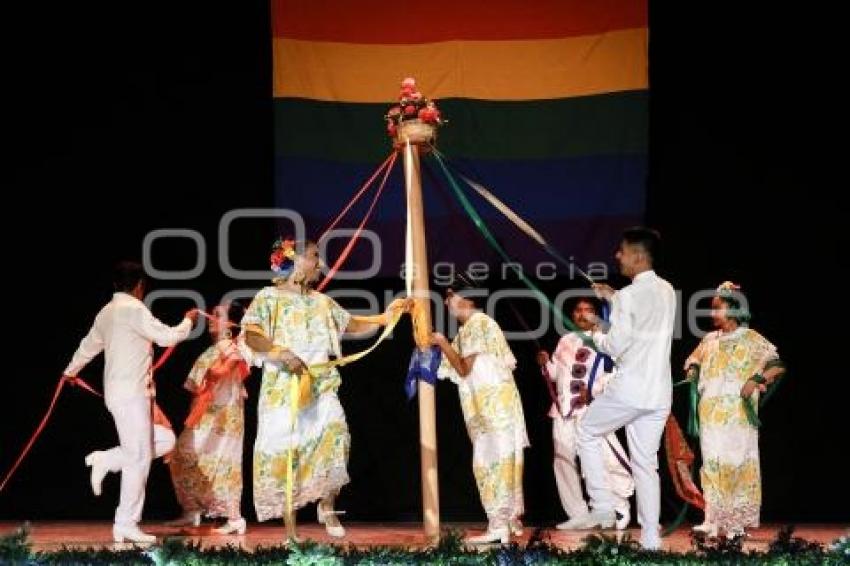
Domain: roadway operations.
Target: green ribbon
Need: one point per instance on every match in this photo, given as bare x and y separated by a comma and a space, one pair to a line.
693, 413
488, 236
772, 389
749, 406
677, 522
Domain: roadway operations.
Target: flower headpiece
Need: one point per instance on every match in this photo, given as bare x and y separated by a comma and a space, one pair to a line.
728, 287
283, 257
411, 106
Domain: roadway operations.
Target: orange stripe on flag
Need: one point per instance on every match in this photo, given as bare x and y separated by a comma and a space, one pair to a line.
487, 70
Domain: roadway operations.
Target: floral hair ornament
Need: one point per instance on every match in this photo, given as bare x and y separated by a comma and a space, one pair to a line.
282, 258
728, 287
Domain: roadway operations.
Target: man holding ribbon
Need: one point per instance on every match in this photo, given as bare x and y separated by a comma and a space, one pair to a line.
125, 331
639, 339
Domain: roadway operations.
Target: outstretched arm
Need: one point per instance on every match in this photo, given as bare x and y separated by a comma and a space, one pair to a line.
363, 324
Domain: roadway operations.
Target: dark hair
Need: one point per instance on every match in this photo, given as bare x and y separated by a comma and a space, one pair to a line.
127, 275
592, 301
734, 311
646, 238
235, 312
464, 286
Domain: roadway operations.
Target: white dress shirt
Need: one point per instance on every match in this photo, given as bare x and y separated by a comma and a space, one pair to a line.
643, 316
124, 331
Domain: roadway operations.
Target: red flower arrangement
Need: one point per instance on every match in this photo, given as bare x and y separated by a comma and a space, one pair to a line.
412, 106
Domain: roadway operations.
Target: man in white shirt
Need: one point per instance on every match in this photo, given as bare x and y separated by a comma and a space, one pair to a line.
580, 376
639, 396
125, 330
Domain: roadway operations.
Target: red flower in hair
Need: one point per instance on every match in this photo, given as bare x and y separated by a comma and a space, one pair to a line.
409, 110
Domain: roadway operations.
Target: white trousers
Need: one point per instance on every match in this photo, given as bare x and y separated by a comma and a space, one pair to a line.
139, 442
644, 428
565, 441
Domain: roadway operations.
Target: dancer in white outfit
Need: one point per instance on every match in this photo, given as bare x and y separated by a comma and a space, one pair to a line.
125, 331
639, 396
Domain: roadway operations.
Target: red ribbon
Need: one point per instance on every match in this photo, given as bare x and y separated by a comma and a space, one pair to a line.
350, 245
76, 381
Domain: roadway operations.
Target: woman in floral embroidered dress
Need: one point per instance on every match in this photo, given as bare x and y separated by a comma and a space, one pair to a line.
290, 326
735, 364
206, 466
481, 363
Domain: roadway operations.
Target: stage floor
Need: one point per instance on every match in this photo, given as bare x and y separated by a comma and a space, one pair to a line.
47, 536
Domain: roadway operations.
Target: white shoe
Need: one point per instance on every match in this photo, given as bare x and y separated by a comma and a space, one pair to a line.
624, 517
707, 529
572, 523
502, 535
98, 471
516, 527
131, 533
187, 519
330, 521
238, 526
594, 519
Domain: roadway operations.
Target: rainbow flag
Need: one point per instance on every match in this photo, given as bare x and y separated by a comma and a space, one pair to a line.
547, 103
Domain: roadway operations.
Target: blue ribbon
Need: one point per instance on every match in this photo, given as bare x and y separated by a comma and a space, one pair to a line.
608, 362
423, 366
608, 365
605, 310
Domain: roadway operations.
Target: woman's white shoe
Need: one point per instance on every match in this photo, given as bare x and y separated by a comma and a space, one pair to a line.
237, 526
330, 521
502, 535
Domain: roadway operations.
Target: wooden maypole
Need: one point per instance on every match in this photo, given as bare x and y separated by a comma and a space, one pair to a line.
413, 138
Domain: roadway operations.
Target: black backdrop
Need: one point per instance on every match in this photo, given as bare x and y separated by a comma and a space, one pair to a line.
128, 117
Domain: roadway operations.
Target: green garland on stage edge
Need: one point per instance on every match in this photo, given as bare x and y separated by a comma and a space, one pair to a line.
597, 550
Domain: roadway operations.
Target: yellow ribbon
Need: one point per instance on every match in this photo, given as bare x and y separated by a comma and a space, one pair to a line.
300, 394
290, 456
